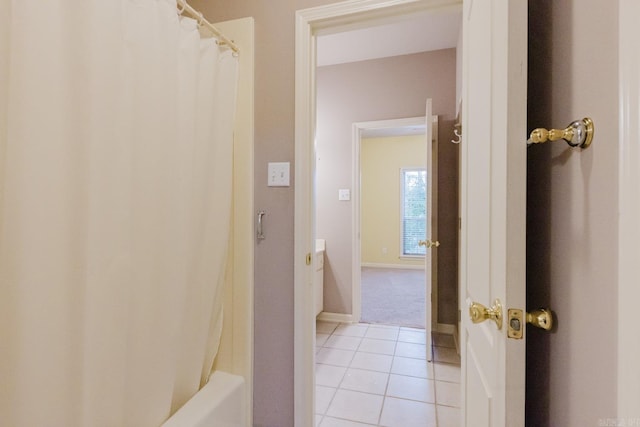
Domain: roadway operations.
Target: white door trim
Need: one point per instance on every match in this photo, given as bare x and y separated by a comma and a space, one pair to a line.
629, 210
352, 13
304, 224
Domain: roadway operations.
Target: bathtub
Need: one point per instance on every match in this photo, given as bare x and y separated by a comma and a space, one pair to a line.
220, 403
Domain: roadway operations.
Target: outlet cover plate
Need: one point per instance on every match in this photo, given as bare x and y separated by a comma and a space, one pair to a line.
344, 194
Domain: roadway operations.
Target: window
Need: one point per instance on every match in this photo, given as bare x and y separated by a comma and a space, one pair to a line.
413, 211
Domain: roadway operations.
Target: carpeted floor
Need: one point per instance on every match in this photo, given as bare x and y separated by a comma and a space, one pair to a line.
393, 297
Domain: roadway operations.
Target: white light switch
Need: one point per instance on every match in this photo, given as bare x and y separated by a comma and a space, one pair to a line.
278, 174
344, 194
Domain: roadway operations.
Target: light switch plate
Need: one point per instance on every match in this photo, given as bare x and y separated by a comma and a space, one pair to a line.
278, 174
344, 194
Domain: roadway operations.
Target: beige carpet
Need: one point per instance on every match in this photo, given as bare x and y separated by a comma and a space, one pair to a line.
393, 297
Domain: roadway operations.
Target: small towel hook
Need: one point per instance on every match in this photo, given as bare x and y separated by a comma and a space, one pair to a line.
458, 135
457, 131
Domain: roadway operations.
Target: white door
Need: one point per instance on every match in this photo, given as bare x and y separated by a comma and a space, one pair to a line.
493, 207
430, 260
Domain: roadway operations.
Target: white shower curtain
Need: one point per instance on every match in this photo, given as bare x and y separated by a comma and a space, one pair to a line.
115, 199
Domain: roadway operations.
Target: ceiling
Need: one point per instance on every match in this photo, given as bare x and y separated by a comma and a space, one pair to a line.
419, 32
405, 35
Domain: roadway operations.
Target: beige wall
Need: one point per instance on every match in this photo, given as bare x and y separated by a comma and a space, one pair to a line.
381, 162
383, 89
572, 213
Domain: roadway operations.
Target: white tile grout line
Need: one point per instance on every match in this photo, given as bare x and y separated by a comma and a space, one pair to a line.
430, 365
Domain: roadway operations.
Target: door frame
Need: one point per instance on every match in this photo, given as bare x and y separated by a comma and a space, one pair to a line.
356, 249
629, 209
309, 23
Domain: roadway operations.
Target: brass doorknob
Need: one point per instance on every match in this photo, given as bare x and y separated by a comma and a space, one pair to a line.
479, 313
542, 319
516, 318
429, 243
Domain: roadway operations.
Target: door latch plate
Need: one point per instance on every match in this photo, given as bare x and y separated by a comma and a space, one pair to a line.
515, 323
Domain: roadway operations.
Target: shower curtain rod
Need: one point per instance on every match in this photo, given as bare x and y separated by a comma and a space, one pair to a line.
183, 7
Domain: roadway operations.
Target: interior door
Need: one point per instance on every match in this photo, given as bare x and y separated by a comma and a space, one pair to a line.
493, 208
429, 263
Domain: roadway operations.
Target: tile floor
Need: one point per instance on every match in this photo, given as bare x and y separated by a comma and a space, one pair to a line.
377, 375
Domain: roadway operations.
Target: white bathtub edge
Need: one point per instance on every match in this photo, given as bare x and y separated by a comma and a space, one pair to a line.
219, 403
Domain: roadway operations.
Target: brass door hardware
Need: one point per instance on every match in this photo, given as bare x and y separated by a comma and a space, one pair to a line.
308, 258
515, 323
429, 243
578, 134
479, 313
542, 318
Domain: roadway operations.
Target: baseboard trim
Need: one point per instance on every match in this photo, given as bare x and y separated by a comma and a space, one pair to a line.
445, 328
335, 317
456, 338
398, 266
